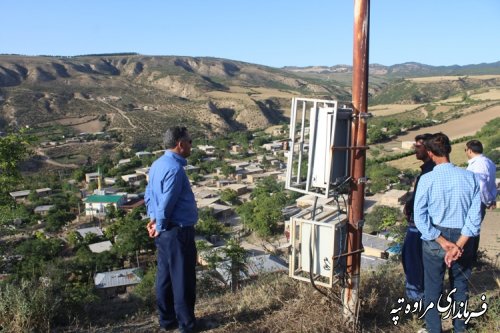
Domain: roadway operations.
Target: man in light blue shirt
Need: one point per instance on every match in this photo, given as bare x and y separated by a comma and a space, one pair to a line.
447, 212
485, 171
172, 209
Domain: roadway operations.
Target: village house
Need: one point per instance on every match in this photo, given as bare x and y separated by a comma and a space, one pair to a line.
238, 188
209, 150
143, 154
91, 230
256, 265
223, 183
43, 192
279, 131
191, 168
220, 211
273, 146
133, 178
117, 282
124, 161
204, 192
96, 205
159, 152
92, 177
254, 178
206, 202
42, 210
132, 203
375, 246
100, 247
109, 180
143, 171
394, 198
20, 196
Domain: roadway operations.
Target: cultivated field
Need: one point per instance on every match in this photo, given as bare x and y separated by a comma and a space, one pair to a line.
492, 94
90, 127
457, 128
457, 157
451, 78
392, 109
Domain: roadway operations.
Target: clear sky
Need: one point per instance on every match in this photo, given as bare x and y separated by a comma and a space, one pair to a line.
270, 32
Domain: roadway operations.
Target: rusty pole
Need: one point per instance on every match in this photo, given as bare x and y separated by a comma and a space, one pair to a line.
358, 157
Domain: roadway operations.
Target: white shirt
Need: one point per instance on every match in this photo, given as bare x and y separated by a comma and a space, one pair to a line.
485, 171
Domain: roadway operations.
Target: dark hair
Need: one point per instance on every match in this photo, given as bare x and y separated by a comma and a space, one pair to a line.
476, 146
174, 135
438, 144
423, 137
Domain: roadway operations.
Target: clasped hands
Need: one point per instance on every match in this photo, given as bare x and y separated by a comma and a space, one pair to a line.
151, 227
453, 252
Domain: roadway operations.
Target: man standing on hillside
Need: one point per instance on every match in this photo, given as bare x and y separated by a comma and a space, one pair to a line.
447, 212
485, 171
172, 209
412, 246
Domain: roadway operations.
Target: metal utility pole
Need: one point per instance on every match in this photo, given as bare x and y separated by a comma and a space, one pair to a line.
358, 157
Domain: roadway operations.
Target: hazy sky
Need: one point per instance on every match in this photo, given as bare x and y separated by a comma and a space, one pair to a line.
269, 32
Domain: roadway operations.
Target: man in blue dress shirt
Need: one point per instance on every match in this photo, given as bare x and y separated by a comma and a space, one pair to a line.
172, 209
447, 212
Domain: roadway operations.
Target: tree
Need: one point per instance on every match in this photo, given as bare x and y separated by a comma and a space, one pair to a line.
227, 169
209, 254
385, 218
131, 235
208, 224
381, 175
230, 196
237, 262
14, 148
57, 218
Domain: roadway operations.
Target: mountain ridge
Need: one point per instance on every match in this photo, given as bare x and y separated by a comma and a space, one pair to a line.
140, 95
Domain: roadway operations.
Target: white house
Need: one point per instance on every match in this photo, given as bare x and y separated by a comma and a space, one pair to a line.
97, 204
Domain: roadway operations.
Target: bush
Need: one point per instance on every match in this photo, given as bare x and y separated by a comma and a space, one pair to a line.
146, 289
27, 307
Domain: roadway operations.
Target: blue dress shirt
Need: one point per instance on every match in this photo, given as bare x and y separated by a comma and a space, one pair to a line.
169, 198
449, 197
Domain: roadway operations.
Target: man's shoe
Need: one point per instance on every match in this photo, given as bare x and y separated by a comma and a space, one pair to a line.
200, 326
169, 328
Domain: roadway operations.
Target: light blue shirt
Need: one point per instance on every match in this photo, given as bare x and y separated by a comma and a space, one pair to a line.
168, 196
449, 197
485, 171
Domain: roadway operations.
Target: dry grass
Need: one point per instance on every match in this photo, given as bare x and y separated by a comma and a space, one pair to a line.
277, 303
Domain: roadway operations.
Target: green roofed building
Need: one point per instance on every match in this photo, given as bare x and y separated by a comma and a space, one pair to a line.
95, 205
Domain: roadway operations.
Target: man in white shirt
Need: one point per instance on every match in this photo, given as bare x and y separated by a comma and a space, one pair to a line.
485, 171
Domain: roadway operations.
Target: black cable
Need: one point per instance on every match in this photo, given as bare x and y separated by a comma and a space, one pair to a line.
311, 277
